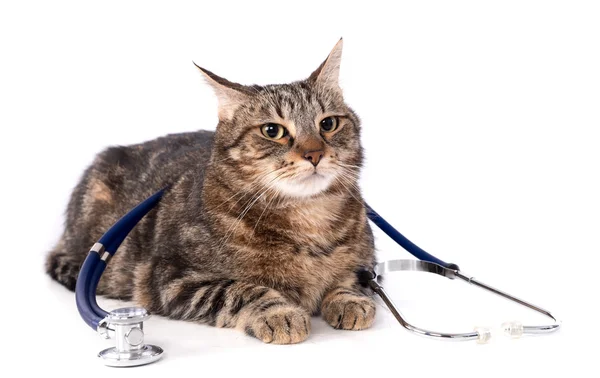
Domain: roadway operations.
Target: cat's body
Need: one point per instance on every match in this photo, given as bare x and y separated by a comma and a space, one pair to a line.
242, 238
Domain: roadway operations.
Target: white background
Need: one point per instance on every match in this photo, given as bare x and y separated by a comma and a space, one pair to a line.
481, 125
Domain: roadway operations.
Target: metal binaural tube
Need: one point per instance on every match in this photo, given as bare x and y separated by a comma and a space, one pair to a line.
526, 329
420, 331
482, 334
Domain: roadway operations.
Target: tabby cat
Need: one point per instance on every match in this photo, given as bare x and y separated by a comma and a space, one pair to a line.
263, 225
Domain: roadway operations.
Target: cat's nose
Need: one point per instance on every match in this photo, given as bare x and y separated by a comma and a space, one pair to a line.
314, 156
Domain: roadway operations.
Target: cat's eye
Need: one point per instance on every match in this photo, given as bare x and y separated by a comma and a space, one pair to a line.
329, 124
273, 131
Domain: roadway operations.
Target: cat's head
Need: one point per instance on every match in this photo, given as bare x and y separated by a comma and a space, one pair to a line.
298, 139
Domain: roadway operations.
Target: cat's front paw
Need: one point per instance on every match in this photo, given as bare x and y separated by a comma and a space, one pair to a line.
281, 325
350, 312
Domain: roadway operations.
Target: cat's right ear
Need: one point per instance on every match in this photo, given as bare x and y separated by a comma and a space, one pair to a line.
328, 72
230, 95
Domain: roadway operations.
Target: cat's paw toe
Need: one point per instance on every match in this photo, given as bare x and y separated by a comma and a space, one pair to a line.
283, 325
354, 313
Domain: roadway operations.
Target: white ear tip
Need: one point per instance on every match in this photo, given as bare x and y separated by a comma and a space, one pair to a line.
484, 334
513, 329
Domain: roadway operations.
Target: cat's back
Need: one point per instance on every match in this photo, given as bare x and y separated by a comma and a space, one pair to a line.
130, 173
160, 160
180, 148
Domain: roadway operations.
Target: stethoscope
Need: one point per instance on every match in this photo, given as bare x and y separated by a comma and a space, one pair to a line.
125, 325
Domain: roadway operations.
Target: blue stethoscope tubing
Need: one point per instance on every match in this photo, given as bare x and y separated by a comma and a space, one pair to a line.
98, 256
409, 246
94, 265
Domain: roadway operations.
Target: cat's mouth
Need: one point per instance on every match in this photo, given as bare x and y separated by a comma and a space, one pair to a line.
306, 184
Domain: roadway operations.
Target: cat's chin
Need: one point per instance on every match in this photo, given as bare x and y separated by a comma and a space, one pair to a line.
308, 186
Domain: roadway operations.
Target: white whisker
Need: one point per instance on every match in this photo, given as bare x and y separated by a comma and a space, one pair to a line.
341, 179
257, 183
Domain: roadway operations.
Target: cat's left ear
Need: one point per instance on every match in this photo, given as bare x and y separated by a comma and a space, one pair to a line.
230, 95
328, 72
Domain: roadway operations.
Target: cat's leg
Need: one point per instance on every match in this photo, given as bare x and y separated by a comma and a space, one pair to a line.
256, 310
345, 307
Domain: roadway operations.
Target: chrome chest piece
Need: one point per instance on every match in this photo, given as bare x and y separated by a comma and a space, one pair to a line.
126, 326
